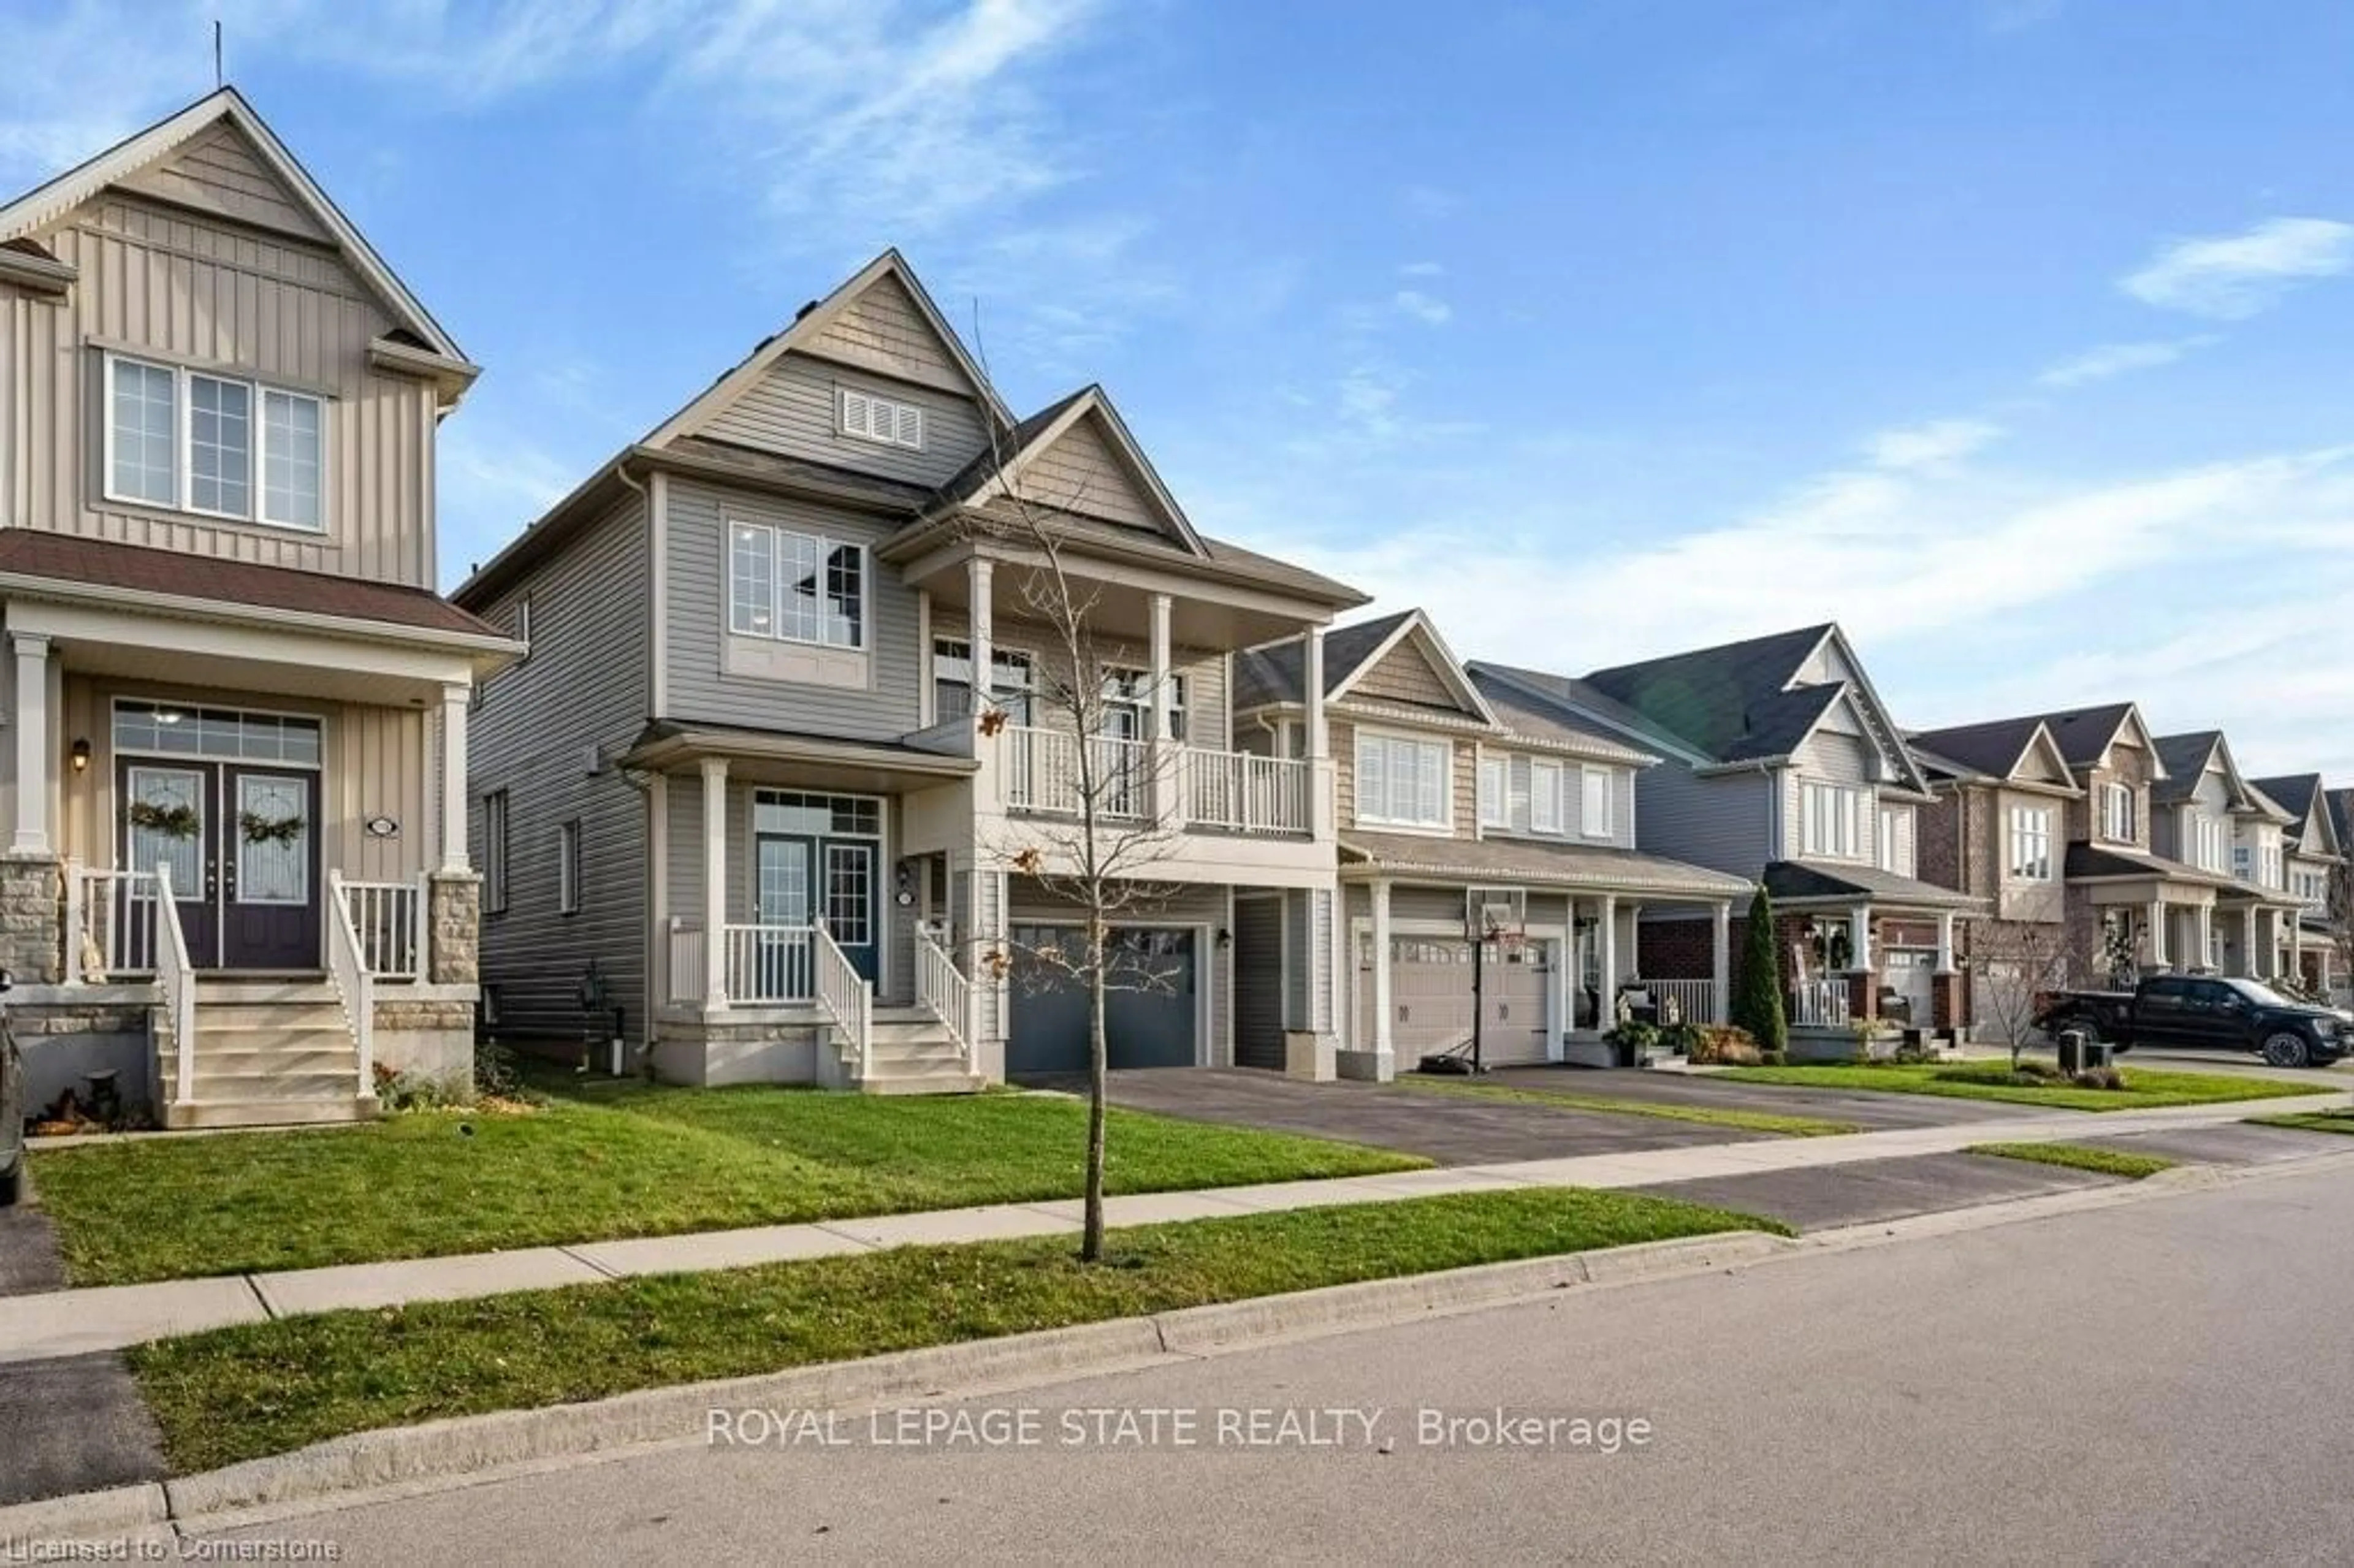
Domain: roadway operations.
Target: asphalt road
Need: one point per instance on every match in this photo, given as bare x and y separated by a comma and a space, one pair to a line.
2156, 1383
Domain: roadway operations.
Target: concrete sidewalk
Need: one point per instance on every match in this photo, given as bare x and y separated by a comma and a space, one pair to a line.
73, 1322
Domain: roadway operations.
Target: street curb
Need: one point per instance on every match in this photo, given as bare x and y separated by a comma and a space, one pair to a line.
118, 1511
476, 1448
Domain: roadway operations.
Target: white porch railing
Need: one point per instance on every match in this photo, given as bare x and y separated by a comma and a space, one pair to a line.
942, 990
846, 995
1819, 1004
111, 925
347, 967
1695, 1000
1043, 772
768, 966
685, 959
389, 919
177, 978
1242, 792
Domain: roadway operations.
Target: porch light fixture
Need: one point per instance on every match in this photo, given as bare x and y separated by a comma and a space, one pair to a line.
1225, 939
81, 756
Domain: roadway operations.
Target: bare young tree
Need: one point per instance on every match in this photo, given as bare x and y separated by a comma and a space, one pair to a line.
1099, 827
2015, 965
2339, 902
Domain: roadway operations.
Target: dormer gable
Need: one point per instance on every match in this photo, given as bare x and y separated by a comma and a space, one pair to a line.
1410, 665
1077, 457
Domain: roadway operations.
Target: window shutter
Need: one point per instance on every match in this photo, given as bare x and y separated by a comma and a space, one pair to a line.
857, 413
908, 423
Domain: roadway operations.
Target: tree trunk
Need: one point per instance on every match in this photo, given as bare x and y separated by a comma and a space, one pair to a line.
1091, 1233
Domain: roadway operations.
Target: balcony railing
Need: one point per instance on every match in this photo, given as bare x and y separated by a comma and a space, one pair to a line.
1238, 791
1055, 772
1694, 1000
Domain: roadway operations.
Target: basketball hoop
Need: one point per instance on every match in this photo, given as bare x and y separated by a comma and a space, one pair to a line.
1497, 916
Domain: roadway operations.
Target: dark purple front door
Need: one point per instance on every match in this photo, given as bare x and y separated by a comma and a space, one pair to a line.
241, 846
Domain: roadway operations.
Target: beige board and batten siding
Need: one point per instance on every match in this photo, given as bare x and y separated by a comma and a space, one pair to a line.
184, 288
548, 731
873, 697
794, 409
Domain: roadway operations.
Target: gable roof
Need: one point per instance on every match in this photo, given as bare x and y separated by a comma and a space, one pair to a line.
1705, 695
812, 323
44, 203
985, 478
1579, 703
1273, 674
2341, 813
2187, 755
2302, 797
2085, 735
1995, 748
1532, 718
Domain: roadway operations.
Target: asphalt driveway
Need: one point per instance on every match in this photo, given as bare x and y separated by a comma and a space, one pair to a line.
1454, 1129
1868, 1191
1864, 1108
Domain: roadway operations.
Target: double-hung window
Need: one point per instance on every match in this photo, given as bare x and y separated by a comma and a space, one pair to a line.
1128, 704
1544, 797
1495, 792
1402, 782
1895, 845
2117, 813
219, 445
1009, 684
2030, 844
795, 586
1597, 807
2209, 848
1828, 820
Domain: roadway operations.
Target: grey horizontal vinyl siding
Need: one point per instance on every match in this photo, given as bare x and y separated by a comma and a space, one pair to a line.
697, 596
1828, 758
532, 733
794, 410
1725, 822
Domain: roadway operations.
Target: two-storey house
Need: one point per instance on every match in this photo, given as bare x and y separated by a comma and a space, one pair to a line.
1781, 765
1488, 864
2206, 815
2316, 861
236, 877
1995, 828
789, 766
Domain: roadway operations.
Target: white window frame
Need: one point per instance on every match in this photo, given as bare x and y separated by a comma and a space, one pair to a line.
183, 463
497, 808
1587, 817
1830, 819
1495, 791
567, 866
1014, 676
1545, 800
2117, 812
1890, 818
826, 545
2031, 830
854, 415
1444, 822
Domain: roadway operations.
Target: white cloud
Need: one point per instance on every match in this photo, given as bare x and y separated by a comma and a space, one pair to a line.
1422, 307
2114, 359
1937, 444
2232, 276
1423, 270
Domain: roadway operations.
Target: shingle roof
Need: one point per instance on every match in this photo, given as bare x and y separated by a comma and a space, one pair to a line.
1993, 748
2184, 758
1523, 861
2091, 860
976, 473
1272, 675
1707, 696
65, 557
1788, 879
2295, 792
1537, 720
1569, 693
1780, 723
2083, 733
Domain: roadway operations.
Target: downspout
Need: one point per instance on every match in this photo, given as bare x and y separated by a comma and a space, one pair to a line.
652, 952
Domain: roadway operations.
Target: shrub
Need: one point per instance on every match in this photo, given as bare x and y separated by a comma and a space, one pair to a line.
1773, 1058
2099, 1078
1757, 995
1635, 1036
399, 1092
496, 1076
1683, 1039
1719, 1045
2029, 1068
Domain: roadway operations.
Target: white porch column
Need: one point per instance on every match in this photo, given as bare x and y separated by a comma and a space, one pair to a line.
1381, 1008
456, 697
1159, 672
1168, 795
1945, 942
1634, 941
658, 893
2157, 917
1720, 970
1606, 1011
2296, 944
714, 881
1859, 939
2251, 965
34, 751
2205, 947
1318, 738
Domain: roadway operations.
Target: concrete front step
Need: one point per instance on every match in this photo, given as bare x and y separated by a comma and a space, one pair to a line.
913, 1055
290, 989
204, 1112
948, 1082
212, 1062
276, 1087
222, 1017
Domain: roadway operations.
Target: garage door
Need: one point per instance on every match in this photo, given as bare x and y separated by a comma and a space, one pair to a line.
1150, 1024
1430, 997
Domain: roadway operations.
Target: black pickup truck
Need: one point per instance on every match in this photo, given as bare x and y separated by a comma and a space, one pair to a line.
2207, 1012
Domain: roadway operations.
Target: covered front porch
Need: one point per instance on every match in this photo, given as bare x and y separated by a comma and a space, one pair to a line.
1867, 946
2153, 915
237, 880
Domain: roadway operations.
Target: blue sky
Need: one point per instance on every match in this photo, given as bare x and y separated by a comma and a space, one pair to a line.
2012, 334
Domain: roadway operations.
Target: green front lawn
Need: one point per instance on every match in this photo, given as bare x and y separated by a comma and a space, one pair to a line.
2146, 1088
2078, 1156
239, 1393
2310, 1121
603, 1161
1710, 1115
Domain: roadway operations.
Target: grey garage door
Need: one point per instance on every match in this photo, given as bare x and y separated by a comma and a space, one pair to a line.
1151, 1019
1430, 997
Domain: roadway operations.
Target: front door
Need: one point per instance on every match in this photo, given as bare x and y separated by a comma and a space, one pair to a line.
241, 844
802, 878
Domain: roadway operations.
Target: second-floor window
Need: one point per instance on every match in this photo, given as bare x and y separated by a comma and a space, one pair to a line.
1896, 839
795, 586
1128, 704
2209, 849
1495, 792
225, 447
1595, 803
1402, 782
568, 867
2268, 864
1829, 816
2117, 813
1544, 797
494, 852
1009, 683
2030, 844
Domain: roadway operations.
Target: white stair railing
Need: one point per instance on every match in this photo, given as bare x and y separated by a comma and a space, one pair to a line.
1820, 1004
347, 965
847, 996
175, 977
1695, 1000
768, 966
942, 990
387, 918
111, 919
